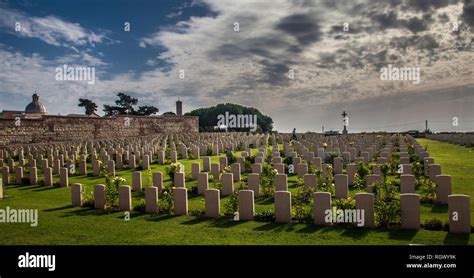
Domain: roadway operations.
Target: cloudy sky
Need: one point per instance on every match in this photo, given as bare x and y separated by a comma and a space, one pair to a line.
335, 68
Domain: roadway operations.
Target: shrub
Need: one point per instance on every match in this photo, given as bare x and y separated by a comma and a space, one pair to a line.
287, 160
428, 191
358, 182
87, 199
194, 189
329, 157
265, 216
247, 165
230, 157
433, 224
232, 204
172, 169
387, 213
149, 179
139, 206
197, 213
112, 190
242, 185
301, 204
395, 162
344, 203
215, 184
383, 190
417, 170
299, 183
385, 169
268, 180
166, 200
325, 181
362, 170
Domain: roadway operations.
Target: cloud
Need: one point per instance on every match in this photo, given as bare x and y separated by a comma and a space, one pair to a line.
173, 15
303, 27
250, 66
50, 29
416, 25
423, 5
468, 12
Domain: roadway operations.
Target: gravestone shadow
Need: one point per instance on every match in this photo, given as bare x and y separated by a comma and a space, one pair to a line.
44, 188
264, 201
225, 223
159, 218
355, 232
399, 234
311, 228
456, 239
438, 208
195, 221
87, 211
28, 187
59, 208
277, 227
193, 196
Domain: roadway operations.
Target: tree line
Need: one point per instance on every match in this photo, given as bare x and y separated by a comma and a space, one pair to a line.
208, 117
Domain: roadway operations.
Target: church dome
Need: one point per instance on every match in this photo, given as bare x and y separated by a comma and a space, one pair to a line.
35, 106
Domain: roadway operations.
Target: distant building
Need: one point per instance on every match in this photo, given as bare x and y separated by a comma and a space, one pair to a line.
34, 109
179, 108
331, 133
34, 125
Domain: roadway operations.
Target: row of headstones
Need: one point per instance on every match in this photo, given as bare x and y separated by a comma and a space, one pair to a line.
117, 147
407, 182
458, 205
454, 138
349, 154
33, 176
110, 166
64, 148
342, 181
364, 138
90, 145
215, 169
385, 156
343, 142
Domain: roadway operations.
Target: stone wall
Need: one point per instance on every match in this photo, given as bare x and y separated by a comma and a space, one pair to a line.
78, 128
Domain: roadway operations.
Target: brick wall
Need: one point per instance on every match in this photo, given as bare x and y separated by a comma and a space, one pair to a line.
78, 128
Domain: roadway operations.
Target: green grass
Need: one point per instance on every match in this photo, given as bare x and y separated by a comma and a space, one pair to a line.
61, 224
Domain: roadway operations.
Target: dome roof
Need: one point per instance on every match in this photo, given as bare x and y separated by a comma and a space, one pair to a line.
35, 106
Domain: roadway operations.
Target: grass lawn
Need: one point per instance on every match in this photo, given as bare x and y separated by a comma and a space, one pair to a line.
61, 224
458, 162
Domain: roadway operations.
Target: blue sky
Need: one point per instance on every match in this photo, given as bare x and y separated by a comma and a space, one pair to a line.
334, 69
122, 51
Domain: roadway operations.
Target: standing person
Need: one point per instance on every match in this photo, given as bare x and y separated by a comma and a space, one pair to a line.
294, 134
